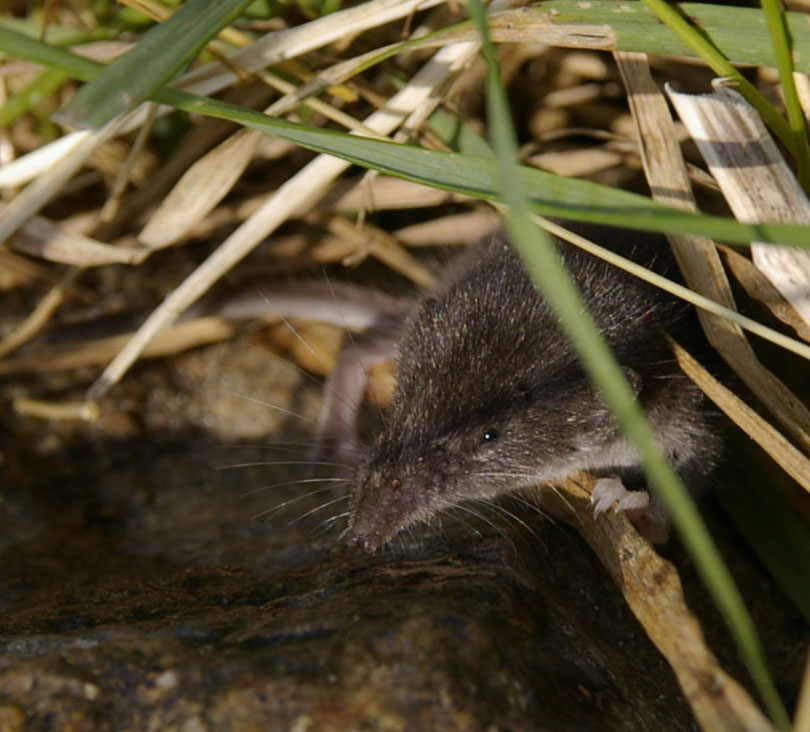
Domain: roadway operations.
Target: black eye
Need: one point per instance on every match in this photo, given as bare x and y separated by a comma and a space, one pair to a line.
489, 435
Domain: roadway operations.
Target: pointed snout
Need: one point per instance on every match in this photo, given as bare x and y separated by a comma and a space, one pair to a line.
378, 512
368, 543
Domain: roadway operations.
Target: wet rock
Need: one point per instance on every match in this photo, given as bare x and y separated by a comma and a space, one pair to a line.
139, 593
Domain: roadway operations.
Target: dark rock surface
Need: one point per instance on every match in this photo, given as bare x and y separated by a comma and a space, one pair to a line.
137, 592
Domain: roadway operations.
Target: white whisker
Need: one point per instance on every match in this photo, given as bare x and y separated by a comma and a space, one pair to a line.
510, 515
326, 525
280, 445
464, 523
532, 506
293, 482
276, 509
287, 323
483, 518
318, 508
274, 406
273, 463
303, 372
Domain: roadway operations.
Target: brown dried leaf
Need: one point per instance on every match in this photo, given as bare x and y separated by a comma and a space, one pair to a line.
176, 339
39, 237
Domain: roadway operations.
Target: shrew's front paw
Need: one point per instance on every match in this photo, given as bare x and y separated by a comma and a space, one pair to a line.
646, 515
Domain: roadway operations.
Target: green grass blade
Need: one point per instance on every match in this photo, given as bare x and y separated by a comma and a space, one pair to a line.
58, 35
705, 49
42, 87
164, 50
476, 176
458, 135
19, 45
553, 281
740, 34
781, 48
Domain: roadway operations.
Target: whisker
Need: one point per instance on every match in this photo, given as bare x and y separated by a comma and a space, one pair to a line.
483, 518
276, 509
318, 508
287, 323
337, 517
466, 524
277, 444
326, 525
561, 495
325, 387
293, 450
288, 412
508, 474
532, 506
510, 515
267, 463
293, 482
355, 450
354, 446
